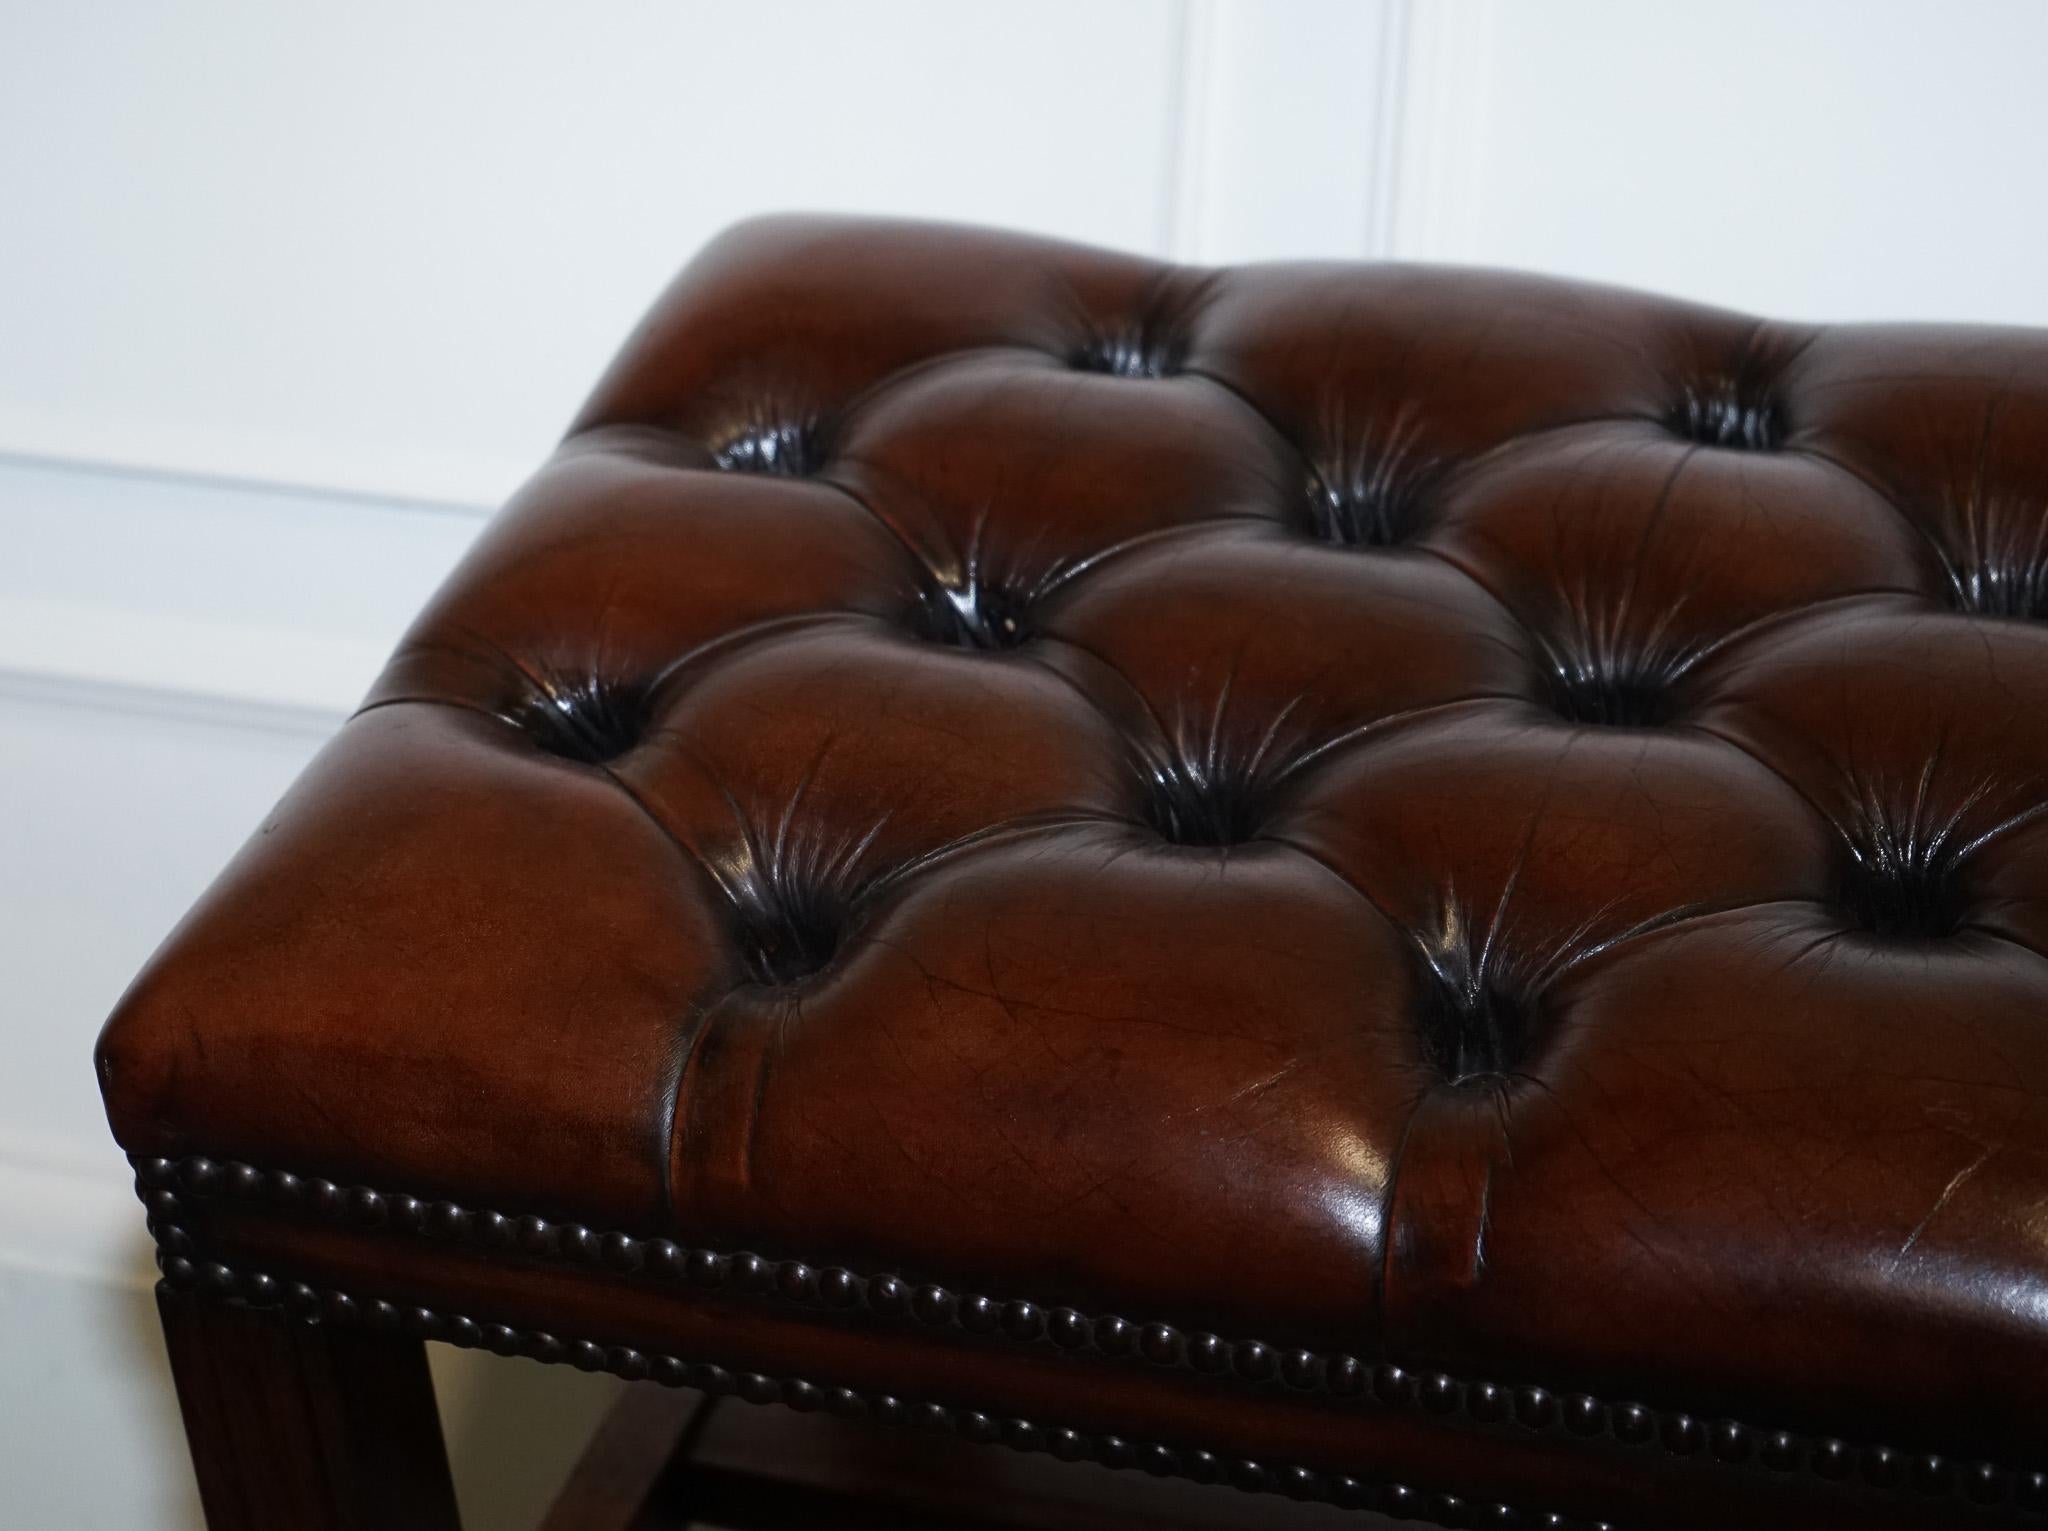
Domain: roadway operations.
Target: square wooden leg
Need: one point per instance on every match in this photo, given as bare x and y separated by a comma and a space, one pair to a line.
305, 1425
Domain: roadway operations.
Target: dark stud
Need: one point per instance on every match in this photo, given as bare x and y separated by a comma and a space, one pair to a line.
1301, 1368
620, 1252
1023, 1320
845, 1402
367, 1207
1441, 1392
1632, 1423
1113, 1336
1932, 1473
1730, 1441
1584, 1414
1535, 1407
1254, 1361
1349, 1493
543, 1347
1161, 1344
933, 1304
1682, 1434
1392, 1385
796, 1281
1833, 1459
1984, 1483
664, 1258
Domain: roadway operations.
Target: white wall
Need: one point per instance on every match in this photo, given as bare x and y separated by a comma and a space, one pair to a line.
290, 295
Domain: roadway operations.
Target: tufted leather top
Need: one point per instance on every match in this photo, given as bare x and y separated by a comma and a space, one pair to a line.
1451, 817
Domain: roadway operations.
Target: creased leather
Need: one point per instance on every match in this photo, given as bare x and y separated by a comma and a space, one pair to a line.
1432, 813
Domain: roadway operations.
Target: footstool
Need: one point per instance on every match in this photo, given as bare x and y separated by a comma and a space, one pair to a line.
1423, 891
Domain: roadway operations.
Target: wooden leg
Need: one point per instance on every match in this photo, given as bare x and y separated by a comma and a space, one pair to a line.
305, 1426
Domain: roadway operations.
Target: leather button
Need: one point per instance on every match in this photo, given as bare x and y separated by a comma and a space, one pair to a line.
790, 449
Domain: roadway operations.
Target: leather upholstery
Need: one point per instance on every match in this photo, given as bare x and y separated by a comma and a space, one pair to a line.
1450, 817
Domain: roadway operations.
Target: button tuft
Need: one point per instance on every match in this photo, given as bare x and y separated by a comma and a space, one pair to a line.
1139, 351
1382, 507
582, 718
1730, 412
1610, 694
790, 449
1474, 1025
975, 616
1902, 884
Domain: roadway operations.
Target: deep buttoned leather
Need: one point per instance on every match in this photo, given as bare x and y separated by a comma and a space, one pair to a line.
1440, 815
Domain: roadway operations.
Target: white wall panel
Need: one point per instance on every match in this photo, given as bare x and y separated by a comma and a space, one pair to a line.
1831, 159
215, 595
386, 246
1286, 128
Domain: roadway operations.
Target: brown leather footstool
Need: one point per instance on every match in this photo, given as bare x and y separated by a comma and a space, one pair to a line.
1422, 891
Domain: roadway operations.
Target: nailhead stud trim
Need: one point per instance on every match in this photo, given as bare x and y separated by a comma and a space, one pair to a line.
308, 1304
164, 1183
